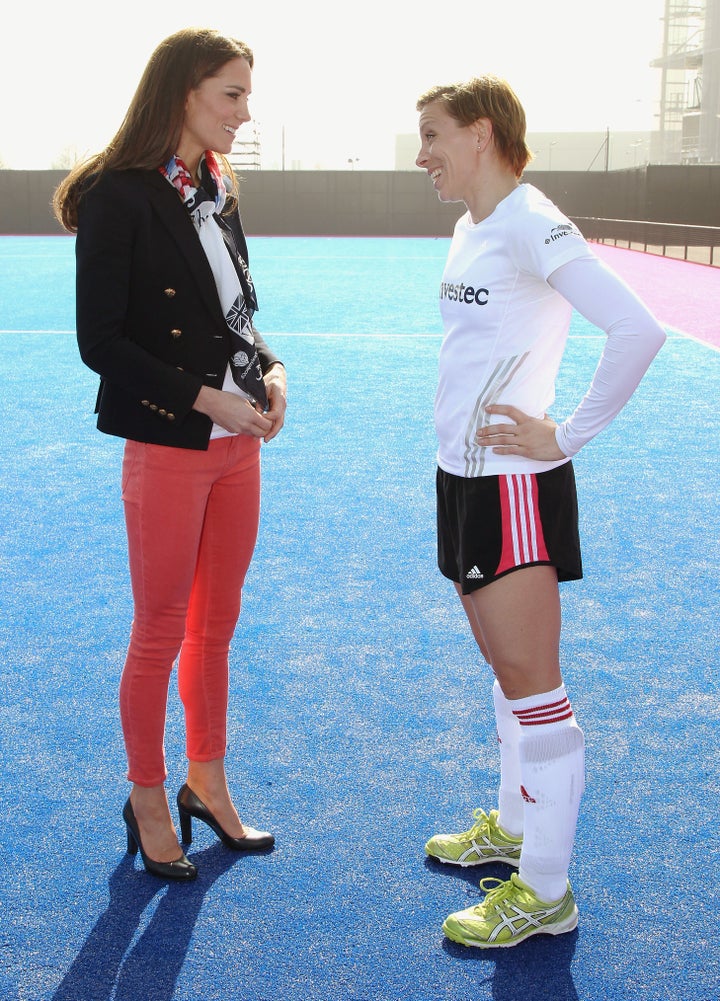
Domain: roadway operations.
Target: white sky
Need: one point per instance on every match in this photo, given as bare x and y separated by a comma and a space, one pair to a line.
338, 79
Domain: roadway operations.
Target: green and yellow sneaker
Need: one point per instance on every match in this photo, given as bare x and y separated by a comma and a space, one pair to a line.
509, 914
484, 842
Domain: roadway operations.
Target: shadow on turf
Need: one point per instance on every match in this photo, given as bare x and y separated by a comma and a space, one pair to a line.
104, 968
539, 968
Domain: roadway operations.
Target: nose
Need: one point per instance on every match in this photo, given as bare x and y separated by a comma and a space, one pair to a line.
421, 158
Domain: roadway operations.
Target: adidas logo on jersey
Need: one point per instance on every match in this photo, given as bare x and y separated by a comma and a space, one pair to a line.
474, 574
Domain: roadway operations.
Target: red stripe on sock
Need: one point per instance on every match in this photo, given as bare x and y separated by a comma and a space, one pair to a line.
553, 719
553, 712
542, 708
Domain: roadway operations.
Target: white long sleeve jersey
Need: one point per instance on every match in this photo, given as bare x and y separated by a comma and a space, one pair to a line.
506, 299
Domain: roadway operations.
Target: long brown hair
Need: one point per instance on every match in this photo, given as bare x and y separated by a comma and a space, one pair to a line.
153, 123
492, 98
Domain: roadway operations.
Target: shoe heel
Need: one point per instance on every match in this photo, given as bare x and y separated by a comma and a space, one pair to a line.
180, 868
185, 825
132, 845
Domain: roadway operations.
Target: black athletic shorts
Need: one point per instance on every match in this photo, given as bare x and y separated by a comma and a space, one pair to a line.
489, 526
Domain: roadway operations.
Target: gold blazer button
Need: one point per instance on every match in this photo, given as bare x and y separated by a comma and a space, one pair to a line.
175, 333
169, 292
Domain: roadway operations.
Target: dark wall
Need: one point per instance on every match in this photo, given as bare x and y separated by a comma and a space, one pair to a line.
403, 203
680, 194
25, 197
685, 194
352, 203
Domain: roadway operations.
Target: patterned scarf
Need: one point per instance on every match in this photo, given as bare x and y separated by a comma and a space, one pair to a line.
232, 277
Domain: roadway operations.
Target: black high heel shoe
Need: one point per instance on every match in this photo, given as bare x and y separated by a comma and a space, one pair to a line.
181, 868
189, 806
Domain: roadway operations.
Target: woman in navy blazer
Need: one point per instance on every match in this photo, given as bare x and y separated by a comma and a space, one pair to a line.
165, 307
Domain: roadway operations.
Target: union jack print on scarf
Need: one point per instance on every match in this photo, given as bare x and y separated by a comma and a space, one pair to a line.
232, 277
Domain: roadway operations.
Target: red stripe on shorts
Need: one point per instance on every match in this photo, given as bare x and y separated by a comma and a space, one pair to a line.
522, 533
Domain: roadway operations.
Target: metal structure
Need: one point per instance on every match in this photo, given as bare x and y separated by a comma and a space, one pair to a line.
245, 153
664, 238
689, 120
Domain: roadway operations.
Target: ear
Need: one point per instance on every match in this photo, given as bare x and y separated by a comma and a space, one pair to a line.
483, 131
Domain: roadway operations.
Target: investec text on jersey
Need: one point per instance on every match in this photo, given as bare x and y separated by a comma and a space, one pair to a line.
464, 293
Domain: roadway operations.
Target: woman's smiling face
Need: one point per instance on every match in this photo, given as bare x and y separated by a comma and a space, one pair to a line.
214, 111
447, 152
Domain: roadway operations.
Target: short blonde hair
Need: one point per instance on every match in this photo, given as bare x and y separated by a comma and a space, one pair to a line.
492, 98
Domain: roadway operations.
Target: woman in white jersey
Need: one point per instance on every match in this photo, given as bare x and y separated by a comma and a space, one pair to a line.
507, 507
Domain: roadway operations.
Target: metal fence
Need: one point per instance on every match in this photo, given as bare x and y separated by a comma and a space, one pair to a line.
691, 243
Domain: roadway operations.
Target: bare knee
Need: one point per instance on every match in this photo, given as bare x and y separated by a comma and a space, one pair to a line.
521, 680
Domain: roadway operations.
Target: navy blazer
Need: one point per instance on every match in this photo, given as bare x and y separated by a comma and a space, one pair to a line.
149, 319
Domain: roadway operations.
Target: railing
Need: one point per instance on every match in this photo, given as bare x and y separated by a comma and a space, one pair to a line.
691, 243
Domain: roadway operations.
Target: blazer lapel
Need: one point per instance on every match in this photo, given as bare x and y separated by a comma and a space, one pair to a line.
173, 215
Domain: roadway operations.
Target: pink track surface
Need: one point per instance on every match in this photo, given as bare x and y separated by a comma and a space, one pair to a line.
682, 295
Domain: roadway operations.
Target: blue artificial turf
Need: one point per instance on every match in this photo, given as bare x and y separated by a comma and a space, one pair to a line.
360, 715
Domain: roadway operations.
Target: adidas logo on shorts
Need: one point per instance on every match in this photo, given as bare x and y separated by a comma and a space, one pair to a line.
474, 574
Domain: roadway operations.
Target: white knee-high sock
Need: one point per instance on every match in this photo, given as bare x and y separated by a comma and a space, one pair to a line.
510, 801
552, 774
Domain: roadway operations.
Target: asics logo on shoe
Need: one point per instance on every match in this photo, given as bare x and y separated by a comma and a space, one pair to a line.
526, 795
474, 574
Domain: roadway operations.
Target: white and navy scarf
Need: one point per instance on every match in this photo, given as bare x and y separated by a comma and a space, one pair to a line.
232, 277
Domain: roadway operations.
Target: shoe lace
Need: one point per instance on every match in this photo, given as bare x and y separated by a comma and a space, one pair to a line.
495, 889
482, 823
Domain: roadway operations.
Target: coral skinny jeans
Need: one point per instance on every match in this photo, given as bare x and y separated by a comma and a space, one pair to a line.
192, 520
